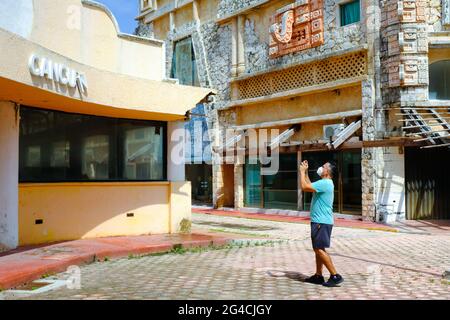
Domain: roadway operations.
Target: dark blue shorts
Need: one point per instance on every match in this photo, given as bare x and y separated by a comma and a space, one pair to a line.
321, 235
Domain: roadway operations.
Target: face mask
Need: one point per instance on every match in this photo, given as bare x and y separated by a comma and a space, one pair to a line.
320, 171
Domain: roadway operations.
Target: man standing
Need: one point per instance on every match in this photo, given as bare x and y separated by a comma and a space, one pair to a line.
321, 221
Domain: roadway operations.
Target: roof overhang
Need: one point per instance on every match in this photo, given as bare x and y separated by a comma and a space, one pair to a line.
108, 94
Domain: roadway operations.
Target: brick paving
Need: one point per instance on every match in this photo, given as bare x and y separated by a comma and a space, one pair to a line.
375, 264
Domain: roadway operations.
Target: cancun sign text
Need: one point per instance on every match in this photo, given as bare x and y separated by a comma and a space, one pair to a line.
60, 73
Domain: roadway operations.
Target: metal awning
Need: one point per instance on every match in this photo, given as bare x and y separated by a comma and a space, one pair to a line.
345, 134
284, 136
428, 124
231, 142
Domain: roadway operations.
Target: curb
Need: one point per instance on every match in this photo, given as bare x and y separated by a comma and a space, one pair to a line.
289, 219
35, 267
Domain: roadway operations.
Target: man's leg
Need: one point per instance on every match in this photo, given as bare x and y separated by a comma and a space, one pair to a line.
319, 264
326, 260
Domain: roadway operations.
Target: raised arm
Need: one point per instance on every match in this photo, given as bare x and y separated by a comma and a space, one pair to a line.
305, 183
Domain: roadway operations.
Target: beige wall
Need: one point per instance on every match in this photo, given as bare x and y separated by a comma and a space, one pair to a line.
89, 210
208, 10
161, 27
108, 94
180, 206
83, 33
184, 15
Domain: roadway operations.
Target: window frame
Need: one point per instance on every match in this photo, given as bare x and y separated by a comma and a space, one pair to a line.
115, 150
195, 73
339, 4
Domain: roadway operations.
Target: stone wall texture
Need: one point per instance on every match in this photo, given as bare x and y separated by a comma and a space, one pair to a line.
393, 32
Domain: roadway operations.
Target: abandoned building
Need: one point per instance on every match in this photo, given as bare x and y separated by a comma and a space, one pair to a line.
363, 83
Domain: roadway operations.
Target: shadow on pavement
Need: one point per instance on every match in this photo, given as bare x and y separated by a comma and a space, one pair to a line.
293, 275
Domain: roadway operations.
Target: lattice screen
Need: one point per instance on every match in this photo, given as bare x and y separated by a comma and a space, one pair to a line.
343, 67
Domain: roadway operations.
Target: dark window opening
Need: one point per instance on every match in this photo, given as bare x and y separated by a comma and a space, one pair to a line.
57, 147
350, 12
440, 80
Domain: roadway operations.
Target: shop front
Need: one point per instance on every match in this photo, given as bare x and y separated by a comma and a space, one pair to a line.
86, 121
281, 190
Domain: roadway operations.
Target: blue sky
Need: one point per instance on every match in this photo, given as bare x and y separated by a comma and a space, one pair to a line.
125, 11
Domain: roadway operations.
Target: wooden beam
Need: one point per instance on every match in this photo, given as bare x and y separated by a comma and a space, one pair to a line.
322, 117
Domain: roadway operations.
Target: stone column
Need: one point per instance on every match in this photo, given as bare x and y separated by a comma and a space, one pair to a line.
218, 186
9, 175
234, 51
172, 21
240, 45
370, 163
238, 185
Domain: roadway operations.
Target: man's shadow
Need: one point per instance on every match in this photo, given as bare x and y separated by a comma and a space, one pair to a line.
293, 275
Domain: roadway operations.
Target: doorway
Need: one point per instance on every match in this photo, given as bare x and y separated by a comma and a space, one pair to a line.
347, 180
200, 176
228, 186
427, 183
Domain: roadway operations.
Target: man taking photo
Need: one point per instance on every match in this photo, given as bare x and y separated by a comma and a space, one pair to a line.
321, 221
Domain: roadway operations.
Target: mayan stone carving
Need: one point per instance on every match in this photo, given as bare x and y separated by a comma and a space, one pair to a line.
406, 33
296, 27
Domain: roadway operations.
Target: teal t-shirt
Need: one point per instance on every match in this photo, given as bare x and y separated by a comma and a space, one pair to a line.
322, 202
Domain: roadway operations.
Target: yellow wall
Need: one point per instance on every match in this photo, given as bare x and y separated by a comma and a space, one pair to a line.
208, 10
184, 15
161, 27
88, 210
438, 54
345, 99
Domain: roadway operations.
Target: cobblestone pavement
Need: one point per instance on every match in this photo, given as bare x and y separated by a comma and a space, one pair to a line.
375, 265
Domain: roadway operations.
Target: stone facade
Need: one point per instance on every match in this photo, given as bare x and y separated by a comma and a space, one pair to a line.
394, 34
229, 7
335, 39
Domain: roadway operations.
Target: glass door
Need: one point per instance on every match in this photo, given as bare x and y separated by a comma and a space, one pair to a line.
252, 185
350, 167
280, 189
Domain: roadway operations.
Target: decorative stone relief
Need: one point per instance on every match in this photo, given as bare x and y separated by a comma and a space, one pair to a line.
406, 39
407, 71
405, 11
296, 27
335, 39
407, 45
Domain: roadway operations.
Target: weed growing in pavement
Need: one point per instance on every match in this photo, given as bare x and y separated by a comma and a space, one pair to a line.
47, 275
237, 232
179, 249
